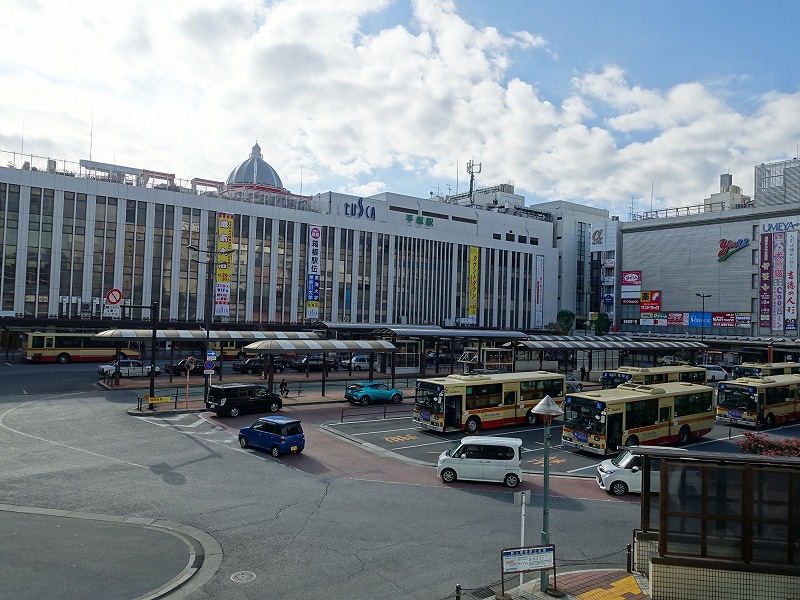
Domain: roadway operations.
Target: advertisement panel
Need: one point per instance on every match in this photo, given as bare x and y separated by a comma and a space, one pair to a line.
631, 278
313, 265
765, 281
743, 319
634, 301
778, 261
678, 319
790, 297
474, 283
699, 319
539, 306
650, 301
222, 292
723, 319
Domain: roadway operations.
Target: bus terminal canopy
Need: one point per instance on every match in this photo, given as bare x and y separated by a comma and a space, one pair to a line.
613, 342
195, 335
321, 345
420, 331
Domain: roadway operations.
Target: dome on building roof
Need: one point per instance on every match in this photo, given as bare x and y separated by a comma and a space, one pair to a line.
255, 170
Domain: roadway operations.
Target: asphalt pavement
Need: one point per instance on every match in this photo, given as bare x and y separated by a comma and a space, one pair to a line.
71, 555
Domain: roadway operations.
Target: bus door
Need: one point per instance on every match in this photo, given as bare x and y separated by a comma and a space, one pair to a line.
665, 419
614, 432
452, 413
512, 408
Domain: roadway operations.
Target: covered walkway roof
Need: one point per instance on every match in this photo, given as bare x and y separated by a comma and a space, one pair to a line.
421, 331
125, 335
321, 345
579, 342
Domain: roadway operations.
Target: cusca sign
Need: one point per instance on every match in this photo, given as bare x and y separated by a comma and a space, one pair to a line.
358, 210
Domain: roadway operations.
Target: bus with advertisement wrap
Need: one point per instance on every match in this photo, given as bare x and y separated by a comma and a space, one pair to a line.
603, 421
72, 347
759, 401
473, 402
751, 369
652, 375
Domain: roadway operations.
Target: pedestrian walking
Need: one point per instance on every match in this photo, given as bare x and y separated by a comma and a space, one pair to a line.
583, 373
284, 388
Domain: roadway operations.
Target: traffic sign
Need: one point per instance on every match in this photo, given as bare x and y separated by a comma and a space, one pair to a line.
211, 355
114, 296
208, 367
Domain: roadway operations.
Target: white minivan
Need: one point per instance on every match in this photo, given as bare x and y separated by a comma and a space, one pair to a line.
483, 458
715, 373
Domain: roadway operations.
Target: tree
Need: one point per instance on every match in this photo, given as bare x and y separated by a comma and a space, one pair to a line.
565, 319
602, 325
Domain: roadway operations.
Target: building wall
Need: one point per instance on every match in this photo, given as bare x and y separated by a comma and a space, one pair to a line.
66, 241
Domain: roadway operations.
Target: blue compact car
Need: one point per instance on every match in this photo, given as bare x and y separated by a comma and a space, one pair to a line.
367, 392
279, 435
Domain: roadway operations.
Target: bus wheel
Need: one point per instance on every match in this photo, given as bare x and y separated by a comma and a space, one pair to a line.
448, 476
684, 435
531, 417
632, 441
63, 358
770, 420
473, 425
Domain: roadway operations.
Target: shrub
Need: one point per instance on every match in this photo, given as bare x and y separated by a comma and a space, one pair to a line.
754, 443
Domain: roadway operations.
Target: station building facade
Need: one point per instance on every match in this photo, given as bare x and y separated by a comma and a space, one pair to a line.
73, 232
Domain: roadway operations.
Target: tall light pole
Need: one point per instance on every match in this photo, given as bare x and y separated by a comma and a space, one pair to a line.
211, 262
703, 317
548, 411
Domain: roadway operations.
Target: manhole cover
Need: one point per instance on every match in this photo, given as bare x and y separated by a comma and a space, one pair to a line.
482, 593
243, 577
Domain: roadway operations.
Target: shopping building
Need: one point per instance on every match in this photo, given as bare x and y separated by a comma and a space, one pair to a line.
725, 267
71, 233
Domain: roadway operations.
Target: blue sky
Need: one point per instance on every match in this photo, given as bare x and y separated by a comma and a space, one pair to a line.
607, 104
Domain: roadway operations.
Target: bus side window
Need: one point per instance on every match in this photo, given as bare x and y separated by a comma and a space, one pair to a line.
510, 398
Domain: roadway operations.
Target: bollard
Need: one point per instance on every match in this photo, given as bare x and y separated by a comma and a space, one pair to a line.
458, 591
628, 557
299, 387
729, 431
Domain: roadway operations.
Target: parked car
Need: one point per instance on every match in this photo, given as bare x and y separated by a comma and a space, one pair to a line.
279, 435
179, 368
443, 360
672, 360
715, 373
127, 368
250, 365
359, 362
233, 399
573, 383
368, 392
727, 365
313, 362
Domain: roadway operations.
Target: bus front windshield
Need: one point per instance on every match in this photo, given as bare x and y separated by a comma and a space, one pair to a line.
428, 398
612, 379
729, 396
584, 415
740, 371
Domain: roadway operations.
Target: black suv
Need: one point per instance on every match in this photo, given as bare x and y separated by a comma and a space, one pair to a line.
250, 365
313, 362
233, 399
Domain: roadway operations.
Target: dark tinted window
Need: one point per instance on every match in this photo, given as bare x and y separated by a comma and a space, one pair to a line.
292, 429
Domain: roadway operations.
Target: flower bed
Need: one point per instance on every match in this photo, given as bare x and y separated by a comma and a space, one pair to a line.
754, 443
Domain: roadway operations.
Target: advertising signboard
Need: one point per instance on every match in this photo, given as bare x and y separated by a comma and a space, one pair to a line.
650, 301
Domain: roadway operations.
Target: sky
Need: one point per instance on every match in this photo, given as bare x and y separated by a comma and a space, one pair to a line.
626, 105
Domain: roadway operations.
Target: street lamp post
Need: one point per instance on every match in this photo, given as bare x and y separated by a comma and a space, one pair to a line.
548, 410
208, 305
703, 316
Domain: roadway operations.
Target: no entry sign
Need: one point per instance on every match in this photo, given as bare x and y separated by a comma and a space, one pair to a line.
114, 296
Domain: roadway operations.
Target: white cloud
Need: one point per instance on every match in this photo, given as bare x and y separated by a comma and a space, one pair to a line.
188, 90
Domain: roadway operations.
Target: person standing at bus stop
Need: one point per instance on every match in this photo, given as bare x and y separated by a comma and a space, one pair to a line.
583, 372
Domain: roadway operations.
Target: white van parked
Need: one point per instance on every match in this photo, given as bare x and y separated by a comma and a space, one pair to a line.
483, 458
715, 373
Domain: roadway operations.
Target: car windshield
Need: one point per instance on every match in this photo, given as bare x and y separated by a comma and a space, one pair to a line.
624, 459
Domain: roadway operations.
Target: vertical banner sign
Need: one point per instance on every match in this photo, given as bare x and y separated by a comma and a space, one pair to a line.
538, 321
472, 301
778, 262
790, 297
313, 271
222, 296
765, 281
